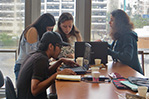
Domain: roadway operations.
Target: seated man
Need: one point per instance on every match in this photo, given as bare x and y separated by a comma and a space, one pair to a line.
36, 75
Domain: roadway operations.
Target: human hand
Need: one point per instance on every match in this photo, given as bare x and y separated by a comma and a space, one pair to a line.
69, 62
70, 55
99, 40
66, 72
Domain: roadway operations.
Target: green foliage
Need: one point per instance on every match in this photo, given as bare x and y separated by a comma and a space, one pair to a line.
139, 22
6, 40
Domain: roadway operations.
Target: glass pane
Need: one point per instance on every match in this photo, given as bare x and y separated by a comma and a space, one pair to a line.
11, 26
99, 20
138, 10
52, 0
57, 7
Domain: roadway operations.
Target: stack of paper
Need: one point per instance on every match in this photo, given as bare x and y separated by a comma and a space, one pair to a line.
69, 77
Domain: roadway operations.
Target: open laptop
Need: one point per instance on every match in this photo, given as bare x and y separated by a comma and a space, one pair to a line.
86, 58
98, 51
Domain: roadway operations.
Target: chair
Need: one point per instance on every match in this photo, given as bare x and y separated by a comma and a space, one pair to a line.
9, 89
1, 79
142, 57
2, 90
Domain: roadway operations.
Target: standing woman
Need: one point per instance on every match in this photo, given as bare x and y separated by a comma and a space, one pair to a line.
31, 36
124, 45
69, 33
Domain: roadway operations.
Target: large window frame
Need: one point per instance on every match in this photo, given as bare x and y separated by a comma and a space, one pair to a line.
83, 20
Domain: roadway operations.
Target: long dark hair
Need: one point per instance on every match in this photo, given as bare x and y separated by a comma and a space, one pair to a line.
122, 23
40, 24
65, 17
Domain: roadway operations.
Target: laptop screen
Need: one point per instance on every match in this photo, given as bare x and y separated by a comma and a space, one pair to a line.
86, 58
98, 51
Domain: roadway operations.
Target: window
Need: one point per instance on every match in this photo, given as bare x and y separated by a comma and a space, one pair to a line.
52, 0
56, 7
51, 6
99, 20
11, 26
67, 0
66, 6
6, 1
138, 10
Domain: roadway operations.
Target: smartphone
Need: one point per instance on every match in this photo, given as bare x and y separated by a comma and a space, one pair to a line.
115, 75
101, 78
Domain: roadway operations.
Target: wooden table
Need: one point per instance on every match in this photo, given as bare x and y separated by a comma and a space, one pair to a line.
84, 90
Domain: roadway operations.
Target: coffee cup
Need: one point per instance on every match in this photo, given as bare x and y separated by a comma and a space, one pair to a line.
79, 61
97, 61
142, 90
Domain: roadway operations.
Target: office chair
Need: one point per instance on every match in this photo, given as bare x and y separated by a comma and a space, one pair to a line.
142, 57
9, 89
1, 79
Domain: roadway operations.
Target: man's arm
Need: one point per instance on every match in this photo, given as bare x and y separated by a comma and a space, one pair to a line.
54, 67
37, 86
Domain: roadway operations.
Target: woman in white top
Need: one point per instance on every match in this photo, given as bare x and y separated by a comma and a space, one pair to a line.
69, 34
31, 36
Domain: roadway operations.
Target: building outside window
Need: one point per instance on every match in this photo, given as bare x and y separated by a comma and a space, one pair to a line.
138, 10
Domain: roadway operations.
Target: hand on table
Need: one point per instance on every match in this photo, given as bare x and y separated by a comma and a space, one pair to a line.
66, 72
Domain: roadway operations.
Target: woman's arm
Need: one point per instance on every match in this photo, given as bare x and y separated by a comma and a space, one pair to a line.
31, 35
126, 52
32, 38
78, 37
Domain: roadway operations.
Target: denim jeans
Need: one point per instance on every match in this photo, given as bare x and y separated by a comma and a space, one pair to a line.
16, 70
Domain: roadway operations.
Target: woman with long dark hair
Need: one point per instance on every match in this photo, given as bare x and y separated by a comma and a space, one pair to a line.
124, 46
31, 36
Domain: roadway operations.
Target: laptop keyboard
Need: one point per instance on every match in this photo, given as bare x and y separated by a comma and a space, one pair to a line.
76, 68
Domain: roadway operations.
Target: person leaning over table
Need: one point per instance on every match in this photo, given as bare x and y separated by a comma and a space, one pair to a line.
35, 74
69, 33
124, 45
31, 36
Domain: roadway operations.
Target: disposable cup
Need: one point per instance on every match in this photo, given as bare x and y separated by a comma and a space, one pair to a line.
94, 69
142, 90
97, 61
79, 61
95, 76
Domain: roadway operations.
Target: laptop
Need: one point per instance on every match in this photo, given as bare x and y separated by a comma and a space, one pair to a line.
86, 58
98, 51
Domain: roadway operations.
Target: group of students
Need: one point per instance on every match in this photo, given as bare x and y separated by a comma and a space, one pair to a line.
38, 43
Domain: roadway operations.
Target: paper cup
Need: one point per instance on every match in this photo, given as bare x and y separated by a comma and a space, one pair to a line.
79, 61
142, 91
95, 74
147, 95
94, 69
97, 61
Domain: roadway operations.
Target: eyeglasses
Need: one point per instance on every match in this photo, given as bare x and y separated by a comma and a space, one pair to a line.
49, 28
60, 46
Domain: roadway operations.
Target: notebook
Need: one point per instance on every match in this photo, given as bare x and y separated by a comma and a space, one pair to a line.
69, 77
98, 50
86, 58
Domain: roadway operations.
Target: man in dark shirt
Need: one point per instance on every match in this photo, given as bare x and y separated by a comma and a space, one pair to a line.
36, 75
